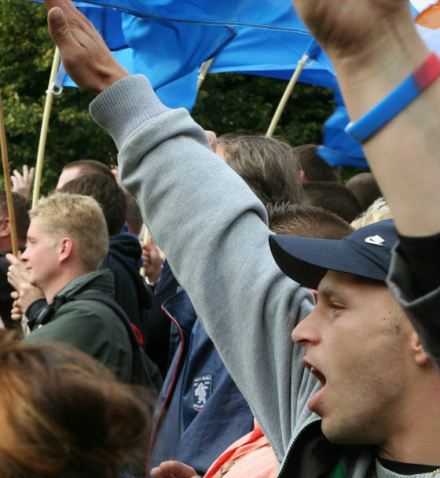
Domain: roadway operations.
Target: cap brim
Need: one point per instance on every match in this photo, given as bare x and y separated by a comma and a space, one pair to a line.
307, 260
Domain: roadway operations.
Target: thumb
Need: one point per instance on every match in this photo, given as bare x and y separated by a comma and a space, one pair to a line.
58, 27
151, 242
11, 258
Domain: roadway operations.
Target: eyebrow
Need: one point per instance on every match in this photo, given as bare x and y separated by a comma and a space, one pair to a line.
326, 291
331, 291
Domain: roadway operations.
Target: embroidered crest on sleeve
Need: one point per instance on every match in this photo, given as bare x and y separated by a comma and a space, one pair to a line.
202, 390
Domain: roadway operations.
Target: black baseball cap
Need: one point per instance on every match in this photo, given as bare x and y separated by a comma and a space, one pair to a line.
366, 253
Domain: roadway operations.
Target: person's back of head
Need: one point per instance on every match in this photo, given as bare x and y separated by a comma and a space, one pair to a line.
134, 216
314, 168
378, 211
107, 193
268, 165
306, 221
365, 188
78, 217
21, 210
334, 197
90, 166
81, 167
62, 413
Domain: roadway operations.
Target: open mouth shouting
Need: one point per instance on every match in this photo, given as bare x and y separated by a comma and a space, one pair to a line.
316, 399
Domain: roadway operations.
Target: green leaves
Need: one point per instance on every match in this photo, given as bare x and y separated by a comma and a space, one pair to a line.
25, 62
231, 103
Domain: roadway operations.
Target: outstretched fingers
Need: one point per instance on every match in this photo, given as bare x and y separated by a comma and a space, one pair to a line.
86, 57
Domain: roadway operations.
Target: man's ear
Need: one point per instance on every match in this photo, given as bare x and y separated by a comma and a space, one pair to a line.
420, 356
5, 227
65, 249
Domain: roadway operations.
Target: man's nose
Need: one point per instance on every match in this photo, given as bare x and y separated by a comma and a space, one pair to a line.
306, 332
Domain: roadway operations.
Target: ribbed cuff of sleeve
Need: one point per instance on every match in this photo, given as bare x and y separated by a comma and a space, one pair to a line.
125, 105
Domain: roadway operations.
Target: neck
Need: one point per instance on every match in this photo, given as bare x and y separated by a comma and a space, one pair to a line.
50, 290
416, 437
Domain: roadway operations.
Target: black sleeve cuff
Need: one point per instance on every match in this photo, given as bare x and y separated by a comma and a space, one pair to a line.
422, 254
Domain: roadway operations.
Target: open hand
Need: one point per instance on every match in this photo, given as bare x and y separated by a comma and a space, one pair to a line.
17, 272
22, 183
85, 55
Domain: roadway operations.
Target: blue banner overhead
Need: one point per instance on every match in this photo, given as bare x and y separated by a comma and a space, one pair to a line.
274, 54
225, 13
338, 148
169, 54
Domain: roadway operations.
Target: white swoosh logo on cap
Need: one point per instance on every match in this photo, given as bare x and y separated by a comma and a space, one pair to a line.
375, 240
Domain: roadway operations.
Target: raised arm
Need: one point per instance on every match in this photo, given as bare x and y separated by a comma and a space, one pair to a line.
374, 46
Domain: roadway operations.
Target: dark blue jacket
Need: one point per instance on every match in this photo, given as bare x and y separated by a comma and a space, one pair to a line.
123, 259
157, 336
205, 412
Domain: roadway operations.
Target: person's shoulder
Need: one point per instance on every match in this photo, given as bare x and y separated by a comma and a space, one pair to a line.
81, 318
87, 310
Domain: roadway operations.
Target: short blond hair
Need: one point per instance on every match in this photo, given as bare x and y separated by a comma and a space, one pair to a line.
378, 211
78, 217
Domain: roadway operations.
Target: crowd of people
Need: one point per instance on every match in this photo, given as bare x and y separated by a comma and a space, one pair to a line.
275, 322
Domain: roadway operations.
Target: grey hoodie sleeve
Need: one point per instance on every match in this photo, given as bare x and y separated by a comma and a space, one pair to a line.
213, 231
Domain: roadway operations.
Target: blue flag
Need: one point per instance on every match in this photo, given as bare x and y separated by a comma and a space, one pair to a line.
275, 52
167, 40
169, 54
338, 148
221, 13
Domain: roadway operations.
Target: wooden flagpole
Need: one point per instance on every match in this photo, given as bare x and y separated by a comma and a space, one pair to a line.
44, 128
203, 72
293, 81
7, 178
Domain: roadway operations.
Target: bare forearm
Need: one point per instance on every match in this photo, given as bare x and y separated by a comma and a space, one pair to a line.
374, 47
404, 155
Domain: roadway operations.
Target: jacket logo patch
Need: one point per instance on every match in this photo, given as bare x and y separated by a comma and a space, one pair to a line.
202, 390
375, 240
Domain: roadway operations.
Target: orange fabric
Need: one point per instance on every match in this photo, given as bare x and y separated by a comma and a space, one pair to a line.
259, 462
430, 18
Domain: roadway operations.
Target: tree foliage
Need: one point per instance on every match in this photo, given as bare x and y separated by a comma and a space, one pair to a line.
26, 59
231, 103
226, 103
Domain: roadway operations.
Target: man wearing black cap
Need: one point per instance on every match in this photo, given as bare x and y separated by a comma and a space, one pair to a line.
362, 349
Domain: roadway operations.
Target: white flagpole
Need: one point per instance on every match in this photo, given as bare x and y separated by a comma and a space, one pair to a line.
203, 72
44, 128
287, 93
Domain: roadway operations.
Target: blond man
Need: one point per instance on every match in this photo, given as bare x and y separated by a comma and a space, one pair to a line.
66, 242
